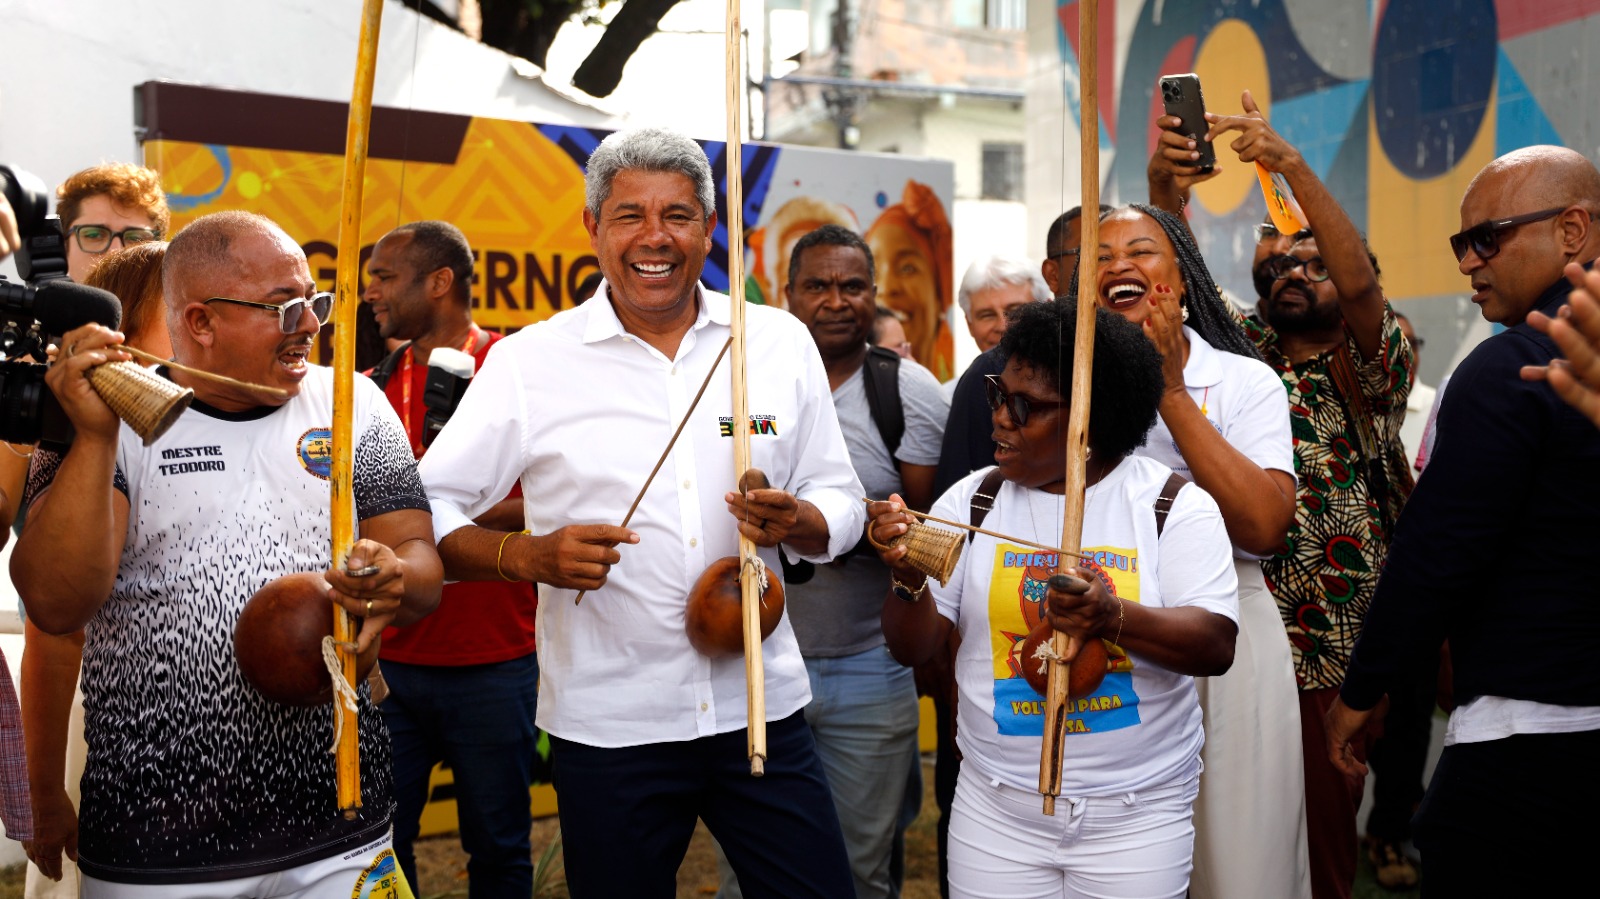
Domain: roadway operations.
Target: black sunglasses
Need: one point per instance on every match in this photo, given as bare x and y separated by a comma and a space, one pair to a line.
1484, 237
1280, 267
1015, 403
290, 313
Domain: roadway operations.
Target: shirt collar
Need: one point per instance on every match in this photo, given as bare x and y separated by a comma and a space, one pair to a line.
603, 324
1204, 368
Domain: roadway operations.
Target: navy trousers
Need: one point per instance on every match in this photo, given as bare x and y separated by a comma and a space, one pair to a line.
1512, 817
479, 720
627, 815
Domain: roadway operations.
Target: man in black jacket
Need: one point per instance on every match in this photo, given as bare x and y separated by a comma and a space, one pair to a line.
1495, 552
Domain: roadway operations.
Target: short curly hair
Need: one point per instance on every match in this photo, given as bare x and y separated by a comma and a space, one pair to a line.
1127, 369
128, 185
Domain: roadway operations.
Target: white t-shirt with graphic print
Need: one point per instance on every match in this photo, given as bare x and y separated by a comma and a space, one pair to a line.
1141, 729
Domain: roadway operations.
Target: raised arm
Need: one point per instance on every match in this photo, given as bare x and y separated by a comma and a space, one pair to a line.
1171, 173
1340, 244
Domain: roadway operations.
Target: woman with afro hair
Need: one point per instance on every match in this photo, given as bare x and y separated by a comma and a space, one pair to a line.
1158, 588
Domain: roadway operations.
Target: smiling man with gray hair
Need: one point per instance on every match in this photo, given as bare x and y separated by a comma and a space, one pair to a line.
647, 733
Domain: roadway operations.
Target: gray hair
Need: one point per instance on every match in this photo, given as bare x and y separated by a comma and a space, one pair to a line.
998, 271
650, 150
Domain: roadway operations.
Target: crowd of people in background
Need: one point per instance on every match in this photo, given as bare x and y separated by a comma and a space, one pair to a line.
1289, 545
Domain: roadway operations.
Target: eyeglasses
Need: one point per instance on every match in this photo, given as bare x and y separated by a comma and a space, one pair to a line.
1266, 231
1063, 253
1484, 237
290, 313
1280, 267
96, 239
1015, 403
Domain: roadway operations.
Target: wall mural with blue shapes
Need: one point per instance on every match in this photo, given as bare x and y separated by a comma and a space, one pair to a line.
1396, 104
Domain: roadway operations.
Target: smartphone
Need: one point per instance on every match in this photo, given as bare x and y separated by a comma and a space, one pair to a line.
1181, 96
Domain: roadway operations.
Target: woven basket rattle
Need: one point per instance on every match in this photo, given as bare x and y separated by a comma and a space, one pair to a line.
932, 551
148, 402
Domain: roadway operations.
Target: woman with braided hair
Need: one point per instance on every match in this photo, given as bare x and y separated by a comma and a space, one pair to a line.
1224, 423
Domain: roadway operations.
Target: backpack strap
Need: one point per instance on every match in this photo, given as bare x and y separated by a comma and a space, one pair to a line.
881, 371
381, 372
983, 500
1163, 503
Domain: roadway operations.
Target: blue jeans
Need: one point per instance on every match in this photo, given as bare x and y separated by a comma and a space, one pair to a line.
863, 712
479, 720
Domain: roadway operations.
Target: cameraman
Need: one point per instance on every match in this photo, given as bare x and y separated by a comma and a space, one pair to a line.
463, 681
116, 204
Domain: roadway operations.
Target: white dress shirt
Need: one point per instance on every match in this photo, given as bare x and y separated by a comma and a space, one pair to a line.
579, 410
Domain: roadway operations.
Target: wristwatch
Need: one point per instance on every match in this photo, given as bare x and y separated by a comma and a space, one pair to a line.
905, 592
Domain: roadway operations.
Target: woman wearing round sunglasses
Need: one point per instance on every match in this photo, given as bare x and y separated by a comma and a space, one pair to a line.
1224, 424
1163, 594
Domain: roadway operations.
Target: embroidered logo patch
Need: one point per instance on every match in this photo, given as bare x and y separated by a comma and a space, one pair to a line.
316, 452
760, 425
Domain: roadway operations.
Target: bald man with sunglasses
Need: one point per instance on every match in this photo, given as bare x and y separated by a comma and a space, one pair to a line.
1496, 554
196, 785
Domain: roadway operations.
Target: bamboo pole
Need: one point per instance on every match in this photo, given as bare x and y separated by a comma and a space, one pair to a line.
1056, 700
348, 754
749, 578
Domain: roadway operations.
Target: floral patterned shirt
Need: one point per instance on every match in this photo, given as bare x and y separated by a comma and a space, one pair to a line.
1324, 577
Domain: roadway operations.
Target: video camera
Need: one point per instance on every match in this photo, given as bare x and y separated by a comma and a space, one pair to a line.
48, 305
449, 376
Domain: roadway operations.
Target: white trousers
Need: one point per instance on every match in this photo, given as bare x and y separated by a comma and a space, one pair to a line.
369, 872
1250, 819
1135, 846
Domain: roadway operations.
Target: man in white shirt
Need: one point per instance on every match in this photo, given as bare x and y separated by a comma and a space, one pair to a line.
647, 733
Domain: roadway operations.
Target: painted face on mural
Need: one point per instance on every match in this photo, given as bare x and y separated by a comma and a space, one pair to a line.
907, 281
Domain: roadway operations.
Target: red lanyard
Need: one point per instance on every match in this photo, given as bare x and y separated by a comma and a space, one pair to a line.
470, 348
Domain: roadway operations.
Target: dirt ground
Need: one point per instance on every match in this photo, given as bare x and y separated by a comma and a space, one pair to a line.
442, 866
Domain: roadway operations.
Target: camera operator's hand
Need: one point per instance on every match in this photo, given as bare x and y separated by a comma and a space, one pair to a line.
82, 349
10, 237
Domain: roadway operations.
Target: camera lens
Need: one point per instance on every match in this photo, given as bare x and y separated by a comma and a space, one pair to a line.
29, 199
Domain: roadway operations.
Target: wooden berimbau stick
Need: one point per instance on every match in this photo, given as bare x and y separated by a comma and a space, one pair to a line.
749, 578
1055, 711
342, 506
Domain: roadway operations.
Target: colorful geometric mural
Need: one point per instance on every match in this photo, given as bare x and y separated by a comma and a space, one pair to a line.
1396, 104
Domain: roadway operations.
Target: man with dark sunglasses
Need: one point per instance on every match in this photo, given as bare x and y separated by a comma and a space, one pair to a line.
195, 784
108, 207
1322, 322
1523, 622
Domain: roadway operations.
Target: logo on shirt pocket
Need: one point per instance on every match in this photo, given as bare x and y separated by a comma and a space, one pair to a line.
760, 425
316, 452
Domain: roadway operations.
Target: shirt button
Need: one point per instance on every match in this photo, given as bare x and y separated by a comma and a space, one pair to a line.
703, 706
687, 483
693, 542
